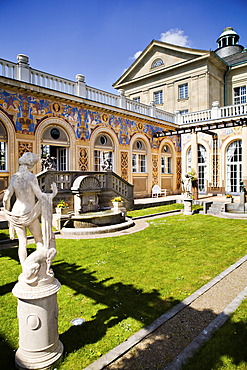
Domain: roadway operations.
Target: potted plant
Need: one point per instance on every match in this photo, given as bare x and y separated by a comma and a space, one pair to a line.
62, 207
230, 197
117, 202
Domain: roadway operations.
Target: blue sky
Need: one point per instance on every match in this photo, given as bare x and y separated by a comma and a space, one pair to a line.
100, 38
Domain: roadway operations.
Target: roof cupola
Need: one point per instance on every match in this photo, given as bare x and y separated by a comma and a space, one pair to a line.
228, 43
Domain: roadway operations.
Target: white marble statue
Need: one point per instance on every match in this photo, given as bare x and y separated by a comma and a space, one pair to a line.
25, 213
187, 185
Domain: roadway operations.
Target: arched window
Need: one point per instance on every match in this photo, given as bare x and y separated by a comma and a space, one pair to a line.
103, 153
139, 157
234, 166
166, 160
202, 168
3, 148
157, 63
55, 144
189, 159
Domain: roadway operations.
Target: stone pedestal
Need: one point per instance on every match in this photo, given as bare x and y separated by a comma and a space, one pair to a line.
39, 345
118, 206
62, 211
188, 206
242, 198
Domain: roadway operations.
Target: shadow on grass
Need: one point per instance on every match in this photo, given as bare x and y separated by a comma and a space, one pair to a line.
122, 301
7, 355
13, 254
226, 349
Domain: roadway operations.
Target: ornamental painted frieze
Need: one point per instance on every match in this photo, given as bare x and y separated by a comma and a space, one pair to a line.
27, 111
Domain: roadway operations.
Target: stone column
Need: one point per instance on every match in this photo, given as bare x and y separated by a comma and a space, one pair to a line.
121, 99
152, 109
23, 69
244, 154
81, 86
39, 344
194, 152
194, 162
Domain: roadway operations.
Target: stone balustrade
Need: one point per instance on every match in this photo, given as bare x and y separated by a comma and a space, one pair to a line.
23, 72
109, 182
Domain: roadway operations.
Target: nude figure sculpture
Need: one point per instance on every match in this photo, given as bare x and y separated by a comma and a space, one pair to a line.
30, 203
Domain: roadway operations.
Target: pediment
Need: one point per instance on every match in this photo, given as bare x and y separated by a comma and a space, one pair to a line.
166, 55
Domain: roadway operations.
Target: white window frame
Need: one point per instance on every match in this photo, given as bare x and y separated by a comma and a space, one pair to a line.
100, 158
202, 168
166, 160
3, 156
166, 165
183, 91
239, 94
234, 166
158, 97
139, 163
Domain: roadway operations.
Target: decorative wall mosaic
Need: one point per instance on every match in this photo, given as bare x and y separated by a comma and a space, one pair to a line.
27, 111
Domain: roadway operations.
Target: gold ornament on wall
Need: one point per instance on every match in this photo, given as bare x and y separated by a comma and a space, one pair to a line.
83, 159
179, 172
124, 165
155, 170
105, 118
24, 147
140, 126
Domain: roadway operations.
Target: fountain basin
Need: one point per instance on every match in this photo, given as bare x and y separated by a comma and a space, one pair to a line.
94, 219
107, 221
68, 232
235, 210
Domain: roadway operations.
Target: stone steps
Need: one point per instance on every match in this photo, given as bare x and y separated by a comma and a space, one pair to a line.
215, 208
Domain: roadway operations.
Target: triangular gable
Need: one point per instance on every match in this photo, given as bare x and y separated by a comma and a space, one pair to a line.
171, 55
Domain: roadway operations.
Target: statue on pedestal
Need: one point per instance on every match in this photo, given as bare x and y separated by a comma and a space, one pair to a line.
48, 163
187, 186
36, 289
25, 213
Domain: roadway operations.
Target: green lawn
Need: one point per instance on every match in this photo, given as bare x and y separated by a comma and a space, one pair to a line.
153, 210
123, 283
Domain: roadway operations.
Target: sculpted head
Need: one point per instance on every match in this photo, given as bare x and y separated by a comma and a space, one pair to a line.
29, 159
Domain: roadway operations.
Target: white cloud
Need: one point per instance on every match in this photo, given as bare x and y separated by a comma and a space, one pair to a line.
175, 36
136, 55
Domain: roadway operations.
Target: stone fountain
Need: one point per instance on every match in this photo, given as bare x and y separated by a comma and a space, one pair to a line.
88, 216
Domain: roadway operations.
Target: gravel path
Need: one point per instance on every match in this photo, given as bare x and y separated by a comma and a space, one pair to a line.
158, 349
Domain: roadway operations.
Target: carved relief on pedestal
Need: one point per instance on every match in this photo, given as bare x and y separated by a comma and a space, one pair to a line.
83, 159
124, 165
24, 147
155, 170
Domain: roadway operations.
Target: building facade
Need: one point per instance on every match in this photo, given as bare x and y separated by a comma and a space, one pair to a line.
183, 80
177, 109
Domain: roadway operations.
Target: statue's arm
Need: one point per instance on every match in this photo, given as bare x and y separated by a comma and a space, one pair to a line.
36, 188
7, 196
38, 193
